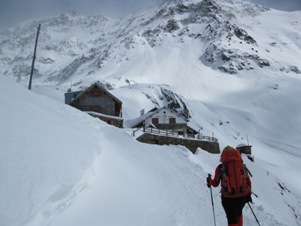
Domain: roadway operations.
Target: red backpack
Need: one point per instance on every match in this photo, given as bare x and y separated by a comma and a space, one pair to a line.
233, 174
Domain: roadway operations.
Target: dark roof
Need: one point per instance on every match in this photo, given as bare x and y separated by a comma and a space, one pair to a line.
70, 96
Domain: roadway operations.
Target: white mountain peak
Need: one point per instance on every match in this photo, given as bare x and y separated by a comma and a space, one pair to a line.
228, 36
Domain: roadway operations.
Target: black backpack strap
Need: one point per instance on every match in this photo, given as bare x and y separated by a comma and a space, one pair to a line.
247, 170
222, 170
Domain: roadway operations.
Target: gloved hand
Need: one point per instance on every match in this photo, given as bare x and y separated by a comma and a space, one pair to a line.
249, 199
209, 180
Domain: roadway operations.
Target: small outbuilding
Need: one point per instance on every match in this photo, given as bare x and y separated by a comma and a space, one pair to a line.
98, 102
244, 148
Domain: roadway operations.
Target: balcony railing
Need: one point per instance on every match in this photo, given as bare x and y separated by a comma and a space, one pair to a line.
172, 133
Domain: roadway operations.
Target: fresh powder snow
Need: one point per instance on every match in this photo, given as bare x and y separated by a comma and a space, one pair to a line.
59, 166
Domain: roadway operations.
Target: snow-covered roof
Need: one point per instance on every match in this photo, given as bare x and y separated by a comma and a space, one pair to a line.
135, 122
103, 115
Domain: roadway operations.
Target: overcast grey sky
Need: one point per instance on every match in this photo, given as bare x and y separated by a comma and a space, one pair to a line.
15, 11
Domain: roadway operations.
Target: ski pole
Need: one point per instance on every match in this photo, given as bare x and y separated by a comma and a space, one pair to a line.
254, 194
254, 214
212, 206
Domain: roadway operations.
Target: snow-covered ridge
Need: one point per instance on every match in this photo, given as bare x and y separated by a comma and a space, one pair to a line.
229, 36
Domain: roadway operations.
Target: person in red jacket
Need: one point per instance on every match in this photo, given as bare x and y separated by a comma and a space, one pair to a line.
233, 204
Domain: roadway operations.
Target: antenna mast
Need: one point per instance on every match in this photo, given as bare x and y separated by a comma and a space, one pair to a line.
34, 57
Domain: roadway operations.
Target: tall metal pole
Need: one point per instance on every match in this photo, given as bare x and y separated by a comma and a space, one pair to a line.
34, 57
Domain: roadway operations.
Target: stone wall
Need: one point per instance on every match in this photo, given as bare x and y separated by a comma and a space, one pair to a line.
192, 145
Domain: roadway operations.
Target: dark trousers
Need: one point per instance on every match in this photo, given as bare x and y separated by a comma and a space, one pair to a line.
233, 208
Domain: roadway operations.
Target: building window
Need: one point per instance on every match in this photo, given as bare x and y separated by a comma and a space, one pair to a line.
172, 120
95, 94
155, 120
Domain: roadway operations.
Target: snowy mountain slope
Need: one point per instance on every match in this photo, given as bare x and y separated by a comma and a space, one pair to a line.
63, 167
41, 151
62, 40
238, 75
222, 35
